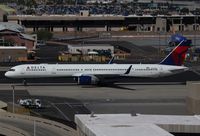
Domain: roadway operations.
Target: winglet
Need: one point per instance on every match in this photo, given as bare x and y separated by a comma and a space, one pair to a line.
128, 70
111, 60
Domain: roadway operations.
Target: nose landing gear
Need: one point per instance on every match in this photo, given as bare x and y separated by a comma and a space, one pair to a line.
24, 82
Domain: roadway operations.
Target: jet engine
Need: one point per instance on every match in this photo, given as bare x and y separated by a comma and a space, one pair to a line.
87, 80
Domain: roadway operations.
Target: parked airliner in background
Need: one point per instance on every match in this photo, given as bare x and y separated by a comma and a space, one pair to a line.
95, 73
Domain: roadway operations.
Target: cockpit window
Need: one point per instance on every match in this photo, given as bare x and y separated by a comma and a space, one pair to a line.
12, 69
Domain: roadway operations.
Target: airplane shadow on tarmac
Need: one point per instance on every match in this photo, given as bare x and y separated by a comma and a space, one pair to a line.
118, 87
83, 86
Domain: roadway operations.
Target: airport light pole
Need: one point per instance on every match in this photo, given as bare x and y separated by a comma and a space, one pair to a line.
181, 28
34, 128
3, 40
195, 29
159, 33
13, 93
173, 30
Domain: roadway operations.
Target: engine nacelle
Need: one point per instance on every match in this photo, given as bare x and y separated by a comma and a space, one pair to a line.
87, 80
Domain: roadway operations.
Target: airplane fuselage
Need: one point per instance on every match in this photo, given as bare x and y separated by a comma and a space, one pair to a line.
76, 70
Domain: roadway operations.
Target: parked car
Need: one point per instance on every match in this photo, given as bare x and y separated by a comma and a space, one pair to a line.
30, 103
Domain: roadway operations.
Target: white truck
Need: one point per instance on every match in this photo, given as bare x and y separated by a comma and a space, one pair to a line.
30, 103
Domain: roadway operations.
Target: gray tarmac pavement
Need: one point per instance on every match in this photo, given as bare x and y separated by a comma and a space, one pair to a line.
126, 92
146, 99
62, 101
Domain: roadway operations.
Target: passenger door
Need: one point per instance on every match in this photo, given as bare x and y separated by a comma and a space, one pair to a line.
53, 70
23, 70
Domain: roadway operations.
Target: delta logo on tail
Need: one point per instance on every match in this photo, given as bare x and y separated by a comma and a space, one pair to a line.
177, 56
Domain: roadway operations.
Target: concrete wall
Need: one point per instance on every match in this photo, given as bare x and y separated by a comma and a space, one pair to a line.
193, 97
1, 15
161, 24
84, 13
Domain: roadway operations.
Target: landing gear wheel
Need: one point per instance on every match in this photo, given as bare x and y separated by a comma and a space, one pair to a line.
24, 82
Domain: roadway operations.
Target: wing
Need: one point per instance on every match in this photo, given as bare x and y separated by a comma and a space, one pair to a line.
83, 78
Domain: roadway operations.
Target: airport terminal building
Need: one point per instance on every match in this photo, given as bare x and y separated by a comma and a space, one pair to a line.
87, 22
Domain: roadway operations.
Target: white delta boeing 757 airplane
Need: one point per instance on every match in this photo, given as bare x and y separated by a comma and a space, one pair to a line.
90, 74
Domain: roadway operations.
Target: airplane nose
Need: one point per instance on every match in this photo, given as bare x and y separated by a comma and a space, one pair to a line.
7, 74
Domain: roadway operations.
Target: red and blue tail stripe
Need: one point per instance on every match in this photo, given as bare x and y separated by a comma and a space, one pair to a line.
177, 56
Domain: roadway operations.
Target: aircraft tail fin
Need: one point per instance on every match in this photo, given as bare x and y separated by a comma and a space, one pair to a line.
177, 55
